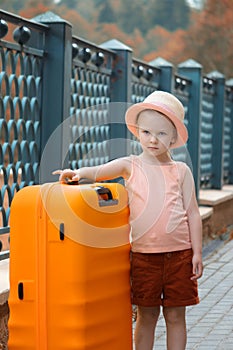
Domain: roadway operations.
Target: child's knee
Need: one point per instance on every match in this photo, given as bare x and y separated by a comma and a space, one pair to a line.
174, 314
148, 314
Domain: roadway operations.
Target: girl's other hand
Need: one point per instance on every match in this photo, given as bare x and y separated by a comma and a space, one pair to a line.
197, 267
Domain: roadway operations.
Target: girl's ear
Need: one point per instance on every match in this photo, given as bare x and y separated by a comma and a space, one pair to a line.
174, 138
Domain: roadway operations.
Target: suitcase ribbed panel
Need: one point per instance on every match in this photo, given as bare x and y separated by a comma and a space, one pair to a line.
74, 294
23, 323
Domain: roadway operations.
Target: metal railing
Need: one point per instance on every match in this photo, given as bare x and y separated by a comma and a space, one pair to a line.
54, 84
20, 104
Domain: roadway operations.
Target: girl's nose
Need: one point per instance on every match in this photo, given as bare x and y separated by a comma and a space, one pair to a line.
154, 139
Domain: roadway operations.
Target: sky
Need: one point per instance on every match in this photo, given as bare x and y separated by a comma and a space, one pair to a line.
195, 3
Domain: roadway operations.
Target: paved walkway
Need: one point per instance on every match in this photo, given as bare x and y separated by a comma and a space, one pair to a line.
210, 323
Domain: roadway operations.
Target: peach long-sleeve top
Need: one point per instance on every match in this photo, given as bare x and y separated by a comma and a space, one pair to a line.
157, 215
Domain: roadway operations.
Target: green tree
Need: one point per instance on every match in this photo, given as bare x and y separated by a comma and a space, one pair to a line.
132, 16
169, 14
68, 3
12, 6
106, 14
34, 3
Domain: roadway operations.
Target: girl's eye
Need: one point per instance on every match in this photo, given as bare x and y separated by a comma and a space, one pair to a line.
162, 133
146, 132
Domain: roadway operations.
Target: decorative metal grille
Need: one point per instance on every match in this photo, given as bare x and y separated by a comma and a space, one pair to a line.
145, 80
90, 97
228, 132
206, 157
181, 90
20, 106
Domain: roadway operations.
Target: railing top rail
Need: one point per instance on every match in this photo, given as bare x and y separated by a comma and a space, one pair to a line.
17, 47
144, 64
20, 21
182, 84
229, 92
184, 78
144, 69
208, 84
80, 41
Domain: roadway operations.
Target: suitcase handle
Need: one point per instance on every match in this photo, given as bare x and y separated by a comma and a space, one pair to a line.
102, 191
105, 196
82, 181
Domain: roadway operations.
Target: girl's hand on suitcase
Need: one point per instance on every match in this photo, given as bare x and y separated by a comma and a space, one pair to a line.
66, 175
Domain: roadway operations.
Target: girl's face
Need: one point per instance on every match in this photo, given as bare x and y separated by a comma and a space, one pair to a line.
156, 134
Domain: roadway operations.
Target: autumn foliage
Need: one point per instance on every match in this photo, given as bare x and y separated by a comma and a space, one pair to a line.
207, 39
210, 37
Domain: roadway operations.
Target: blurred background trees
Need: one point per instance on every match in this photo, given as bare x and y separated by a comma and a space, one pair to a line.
173, 29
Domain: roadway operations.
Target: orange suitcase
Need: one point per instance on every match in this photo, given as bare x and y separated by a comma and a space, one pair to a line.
69, 268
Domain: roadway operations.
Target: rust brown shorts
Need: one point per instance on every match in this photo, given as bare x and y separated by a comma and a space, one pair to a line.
163, 279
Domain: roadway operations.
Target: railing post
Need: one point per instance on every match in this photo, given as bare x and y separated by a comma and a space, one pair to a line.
229, 84
55, 93
193, 70
166, 75
218, 129
120, 95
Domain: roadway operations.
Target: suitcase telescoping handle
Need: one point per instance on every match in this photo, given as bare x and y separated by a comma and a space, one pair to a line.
104, 194
105, 197
82, 181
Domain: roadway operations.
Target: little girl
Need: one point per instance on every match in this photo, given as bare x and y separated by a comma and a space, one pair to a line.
164, 216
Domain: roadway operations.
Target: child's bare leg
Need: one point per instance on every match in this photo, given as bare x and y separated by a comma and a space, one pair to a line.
176, 327
147, 318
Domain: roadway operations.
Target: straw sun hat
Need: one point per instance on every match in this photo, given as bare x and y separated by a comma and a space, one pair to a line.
166, 104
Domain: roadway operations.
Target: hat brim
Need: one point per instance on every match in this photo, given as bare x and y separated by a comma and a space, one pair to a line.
133, 112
